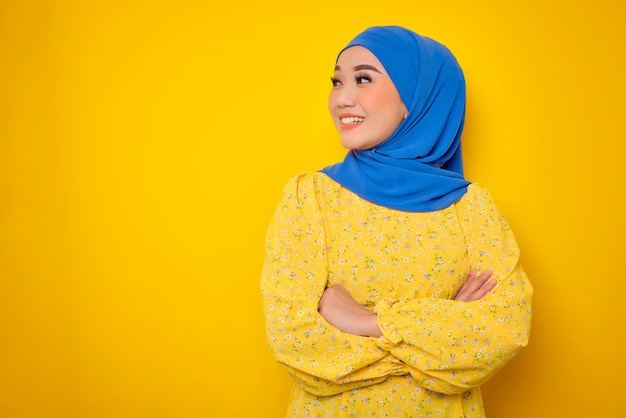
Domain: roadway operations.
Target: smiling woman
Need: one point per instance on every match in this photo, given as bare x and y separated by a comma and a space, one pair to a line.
143, 149
391, 284
364, 102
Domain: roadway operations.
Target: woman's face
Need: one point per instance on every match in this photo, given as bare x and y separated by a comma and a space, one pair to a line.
364, 102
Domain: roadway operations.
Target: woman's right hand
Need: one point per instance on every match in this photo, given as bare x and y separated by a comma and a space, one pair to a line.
476, 287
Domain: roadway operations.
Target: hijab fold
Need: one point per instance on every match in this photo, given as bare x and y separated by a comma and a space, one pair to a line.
419, 167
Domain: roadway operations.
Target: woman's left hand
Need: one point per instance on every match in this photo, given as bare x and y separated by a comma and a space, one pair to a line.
344, 313
476, 287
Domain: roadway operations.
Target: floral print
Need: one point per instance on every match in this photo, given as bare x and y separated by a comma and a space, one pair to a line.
407, 267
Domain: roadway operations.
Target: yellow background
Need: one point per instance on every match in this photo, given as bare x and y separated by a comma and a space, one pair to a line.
144, 146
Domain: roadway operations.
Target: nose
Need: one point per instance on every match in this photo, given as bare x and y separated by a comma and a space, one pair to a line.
346, 96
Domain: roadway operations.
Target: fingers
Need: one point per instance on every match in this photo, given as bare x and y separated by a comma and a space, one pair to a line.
486, 284
477, 282
476, 286
483, 279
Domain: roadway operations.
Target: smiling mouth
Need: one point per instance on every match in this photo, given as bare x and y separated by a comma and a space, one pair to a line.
351, 120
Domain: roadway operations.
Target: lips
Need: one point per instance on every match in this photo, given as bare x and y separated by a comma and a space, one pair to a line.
351, 120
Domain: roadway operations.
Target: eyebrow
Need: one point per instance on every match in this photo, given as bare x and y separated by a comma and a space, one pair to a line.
361, 67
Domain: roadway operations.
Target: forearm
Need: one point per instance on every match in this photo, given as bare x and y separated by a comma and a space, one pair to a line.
323, 381
321, 358
451, 346
338, 308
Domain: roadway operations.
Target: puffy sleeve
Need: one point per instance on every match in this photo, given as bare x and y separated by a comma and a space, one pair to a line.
452, 346
322, 359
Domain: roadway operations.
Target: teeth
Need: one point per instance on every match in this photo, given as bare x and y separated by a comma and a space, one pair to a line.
351, 120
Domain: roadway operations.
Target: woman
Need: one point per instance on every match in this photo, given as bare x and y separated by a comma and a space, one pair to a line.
372, 293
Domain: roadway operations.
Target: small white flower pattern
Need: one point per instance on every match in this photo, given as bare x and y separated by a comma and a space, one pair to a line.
435, 352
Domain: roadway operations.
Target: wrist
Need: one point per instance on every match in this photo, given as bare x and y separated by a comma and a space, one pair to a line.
373, 330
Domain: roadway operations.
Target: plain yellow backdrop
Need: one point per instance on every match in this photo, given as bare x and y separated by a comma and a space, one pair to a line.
144, 146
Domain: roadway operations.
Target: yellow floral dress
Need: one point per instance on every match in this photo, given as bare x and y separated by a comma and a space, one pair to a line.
407, 267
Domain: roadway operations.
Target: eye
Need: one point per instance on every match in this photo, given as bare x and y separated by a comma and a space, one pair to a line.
335, 82
362, 79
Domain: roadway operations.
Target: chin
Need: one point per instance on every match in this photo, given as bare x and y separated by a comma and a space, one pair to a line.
352, 144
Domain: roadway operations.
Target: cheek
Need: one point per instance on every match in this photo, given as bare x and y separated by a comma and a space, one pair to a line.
376, 101
391, 99
369, 99
389, 103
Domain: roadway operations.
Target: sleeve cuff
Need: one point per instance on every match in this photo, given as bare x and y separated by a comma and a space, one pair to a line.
384, 314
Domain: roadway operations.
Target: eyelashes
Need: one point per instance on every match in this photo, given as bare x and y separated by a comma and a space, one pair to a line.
359, 78
362, 78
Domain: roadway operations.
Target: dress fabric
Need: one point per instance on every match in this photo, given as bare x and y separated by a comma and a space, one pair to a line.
407, 266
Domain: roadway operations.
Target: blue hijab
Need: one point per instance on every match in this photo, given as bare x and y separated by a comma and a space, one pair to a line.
419, 167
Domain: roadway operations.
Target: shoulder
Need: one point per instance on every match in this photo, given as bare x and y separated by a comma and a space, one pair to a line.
478, 208
479, 213
305, 184
311, 179
476, 198
309, 189
489, 236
